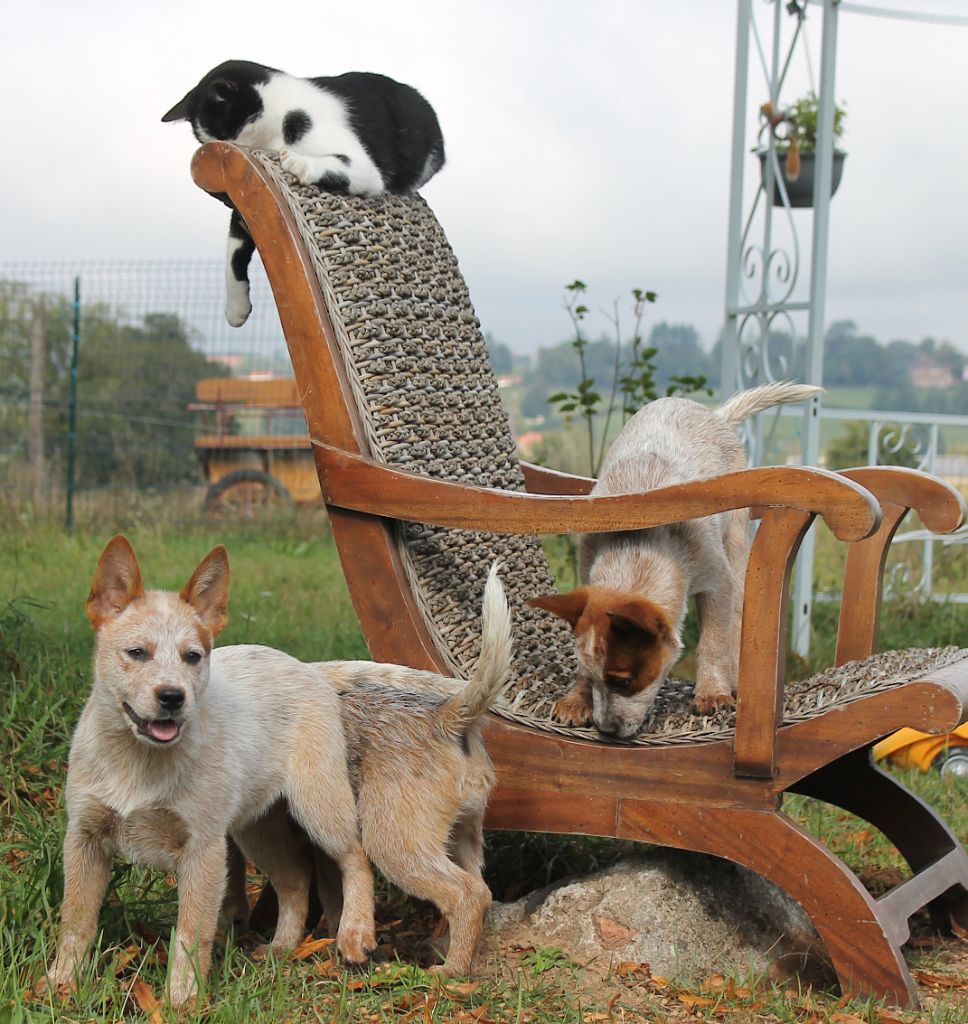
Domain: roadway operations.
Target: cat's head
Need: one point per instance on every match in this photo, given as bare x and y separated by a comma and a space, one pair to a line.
224, 101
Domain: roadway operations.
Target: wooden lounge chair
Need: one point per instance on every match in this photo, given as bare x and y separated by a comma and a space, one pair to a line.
418, 469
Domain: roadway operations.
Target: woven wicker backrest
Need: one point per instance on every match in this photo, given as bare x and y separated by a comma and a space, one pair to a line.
418, 366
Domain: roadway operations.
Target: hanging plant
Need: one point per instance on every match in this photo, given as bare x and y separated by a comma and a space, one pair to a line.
795, 132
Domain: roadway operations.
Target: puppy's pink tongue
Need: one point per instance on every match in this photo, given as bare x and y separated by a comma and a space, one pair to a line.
164, 731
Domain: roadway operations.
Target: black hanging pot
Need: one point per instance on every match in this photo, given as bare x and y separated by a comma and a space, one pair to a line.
800, 189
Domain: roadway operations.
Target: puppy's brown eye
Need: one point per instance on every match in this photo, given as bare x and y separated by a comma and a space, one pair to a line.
193, 657
136, 653
618, 683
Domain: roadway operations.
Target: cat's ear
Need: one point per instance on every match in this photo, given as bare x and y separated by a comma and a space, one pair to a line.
181, 111
222, 89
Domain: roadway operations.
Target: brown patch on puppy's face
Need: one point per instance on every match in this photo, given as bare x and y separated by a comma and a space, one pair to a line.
625, 645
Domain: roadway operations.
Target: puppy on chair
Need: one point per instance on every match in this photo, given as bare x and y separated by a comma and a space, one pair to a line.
627, 616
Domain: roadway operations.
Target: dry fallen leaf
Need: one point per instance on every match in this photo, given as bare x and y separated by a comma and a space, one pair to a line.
886, 1018
692, 1000
941, 980
461, 989
308, 946
630, 967
146, 999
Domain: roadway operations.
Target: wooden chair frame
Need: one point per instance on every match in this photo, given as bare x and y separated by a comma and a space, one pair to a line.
722, 798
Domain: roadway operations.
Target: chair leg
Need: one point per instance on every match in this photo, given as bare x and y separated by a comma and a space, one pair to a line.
867, 960
855, 784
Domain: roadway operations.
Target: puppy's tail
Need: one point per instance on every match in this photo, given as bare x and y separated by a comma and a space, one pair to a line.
493, 666
747, 403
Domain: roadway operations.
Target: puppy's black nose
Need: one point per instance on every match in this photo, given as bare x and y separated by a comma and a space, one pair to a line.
171, 699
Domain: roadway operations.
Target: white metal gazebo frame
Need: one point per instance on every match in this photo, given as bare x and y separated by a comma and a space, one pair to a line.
766, 285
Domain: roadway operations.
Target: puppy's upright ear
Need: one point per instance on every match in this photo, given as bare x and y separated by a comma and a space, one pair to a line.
181, 111
570, 606
117, 582
208, 590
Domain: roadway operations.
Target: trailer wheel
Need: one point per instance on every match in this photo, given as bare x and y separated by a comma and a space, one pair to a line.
245, 494
953, 763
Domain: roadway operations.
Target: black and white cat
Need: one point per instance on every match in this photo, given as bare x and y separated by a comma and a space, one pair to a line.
358, 133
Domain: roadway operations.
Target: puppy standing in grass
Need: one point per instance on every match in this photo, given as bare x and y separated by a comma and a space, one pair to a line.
627, 617
180, 746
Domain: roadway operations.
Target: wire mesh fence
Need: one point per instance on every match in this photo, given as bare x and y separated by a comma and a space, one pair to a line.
107, 375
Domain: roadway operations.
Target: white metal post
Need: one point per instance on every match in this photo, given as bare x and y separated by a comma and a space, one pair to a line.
729, 355
823, 170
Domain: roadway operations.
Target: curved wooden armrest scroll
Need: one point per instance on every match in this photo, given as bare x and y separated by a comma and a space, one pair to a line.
352, 482
940, 507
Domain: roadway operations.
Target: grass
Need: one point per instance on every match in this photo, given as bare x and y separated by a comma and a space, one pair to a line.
288, 592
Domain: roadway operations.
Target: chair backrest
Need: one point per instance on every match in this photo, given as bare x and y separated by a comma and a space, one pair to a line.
417, 366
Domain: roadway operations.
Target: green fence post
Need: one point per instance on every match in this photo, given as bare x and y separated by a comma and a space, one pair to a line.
72, 405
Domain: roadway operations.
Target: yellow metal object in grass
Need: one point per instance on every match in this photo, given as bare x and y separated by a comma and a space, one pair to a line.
909, 748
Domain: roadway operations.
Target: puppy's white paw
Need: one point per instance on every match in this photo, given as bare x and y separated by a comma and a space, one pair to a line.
356, 942
184, 989
708, 702
574, 708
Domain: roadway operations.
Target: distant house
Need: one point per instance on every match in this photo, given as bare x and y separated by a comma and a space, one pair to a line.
233, 362
931, 377
529, 441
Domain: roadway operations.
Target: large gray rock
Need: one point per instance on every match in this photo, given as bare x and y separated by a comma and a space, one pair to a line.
685, 914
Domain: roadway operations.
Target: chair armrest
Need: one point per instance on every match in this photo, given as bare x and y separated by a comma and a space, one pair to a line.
940, 507
362, 485
542, 480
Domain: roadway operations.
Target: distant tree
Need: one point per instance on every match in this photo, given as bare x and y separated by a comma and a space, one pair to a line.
851, 448
900, 358
136, 379
852, 360
554, 368
678, 351
502, 360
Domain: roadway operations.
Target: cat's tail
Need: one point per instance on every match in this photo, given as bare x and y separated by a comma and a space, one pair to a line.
747, 403
493, 667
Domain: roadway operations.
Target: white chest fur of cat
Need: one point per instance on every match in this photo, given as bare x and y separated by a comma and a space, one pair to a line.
358, 133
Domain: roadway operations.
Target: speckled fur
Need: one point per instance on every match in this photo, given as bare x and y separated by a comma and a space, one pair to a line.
165, 788
422, 776
628, 615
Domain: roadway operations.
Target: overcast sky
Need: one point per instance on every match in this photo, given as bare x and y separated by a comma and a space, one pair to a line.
583, 140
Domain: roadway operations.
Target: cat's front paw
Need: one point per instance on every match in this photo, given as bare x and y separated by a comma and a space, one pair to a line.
237, 303
237, 311
299, 167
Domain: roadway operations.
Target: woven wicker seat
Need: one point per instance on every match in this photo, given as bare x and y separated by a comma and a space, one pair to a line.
424, 490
